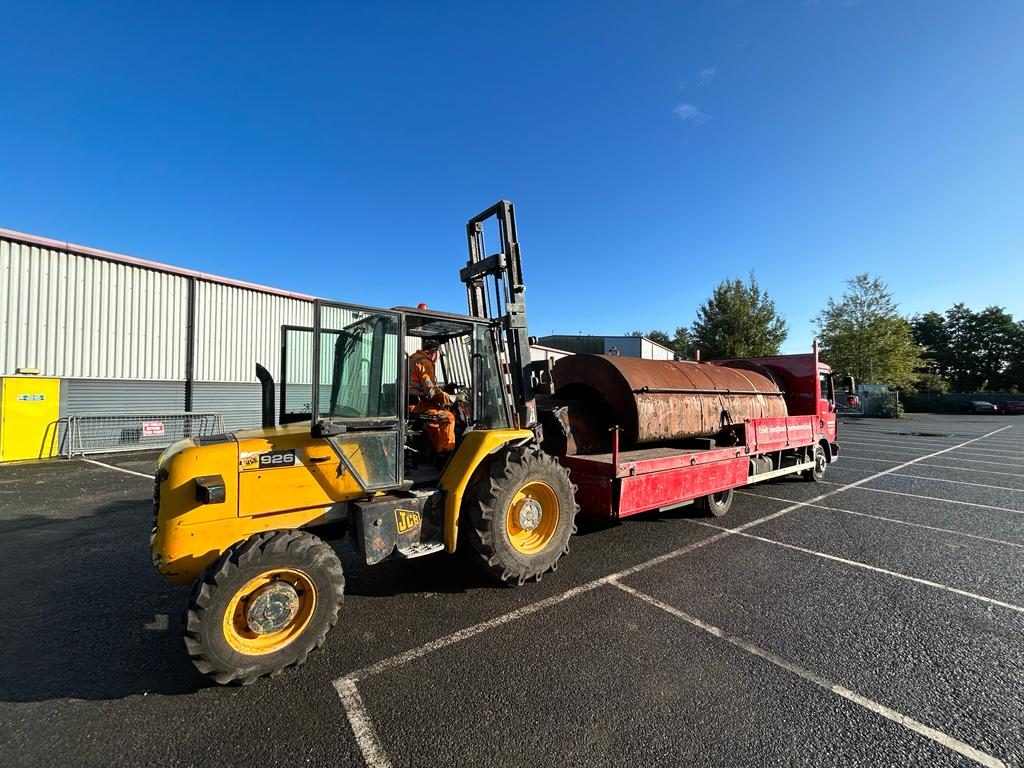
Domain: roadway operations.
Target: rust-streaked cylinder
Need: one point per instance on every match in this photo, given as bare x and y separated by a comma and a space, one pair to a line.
659, 400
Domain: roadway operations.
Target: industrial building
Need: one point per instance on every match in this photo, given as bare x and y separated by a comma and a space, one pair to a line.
89, 332
626, 346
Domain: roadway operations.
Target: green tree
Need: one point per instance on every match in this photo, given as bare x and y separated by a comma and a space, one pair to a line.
660, 337
1015, 370
682, 343
739, 320
865, 335
927, 381
972, 350
932, 335
996, 337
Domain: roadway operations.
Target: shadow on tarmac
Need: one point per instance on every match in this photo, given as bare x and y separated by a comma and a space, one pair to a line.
86, 615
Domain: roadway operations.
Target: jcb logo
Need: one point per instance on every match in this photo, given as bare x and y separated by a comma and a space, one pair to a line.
406, 520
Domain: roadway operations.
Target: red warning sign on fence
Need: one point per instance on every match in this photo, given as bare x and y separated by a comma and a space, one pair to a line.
152, 429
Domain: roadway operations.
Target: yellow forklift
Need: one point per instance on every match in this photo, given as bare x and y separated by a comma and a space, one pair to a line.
243, 517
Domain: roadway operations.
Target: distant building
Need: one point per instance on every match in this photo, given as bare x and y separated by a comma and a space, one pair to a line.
626, 346
539, 352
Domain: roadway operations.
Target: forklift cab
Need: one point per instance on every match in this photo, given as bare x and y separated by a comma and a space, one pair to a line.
466, 369
359, 358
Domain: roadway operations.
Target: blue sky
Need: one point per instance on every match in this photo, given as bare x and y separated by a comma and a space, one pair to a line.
652, 149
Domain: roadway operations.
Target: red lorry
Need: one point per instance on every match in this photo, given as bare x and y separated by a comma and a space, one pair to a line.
639, 435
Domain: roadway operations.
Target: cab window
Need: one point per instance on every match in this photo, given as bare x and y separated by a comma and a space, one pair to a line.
827, 391
359, 368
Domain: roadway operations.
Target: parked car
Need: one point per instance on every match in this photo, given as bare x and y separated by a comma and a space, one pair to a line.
1011, 406
979, 406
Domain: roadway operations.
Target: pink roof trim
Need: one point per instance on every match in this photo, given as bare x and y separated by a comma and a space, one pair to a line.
84, 250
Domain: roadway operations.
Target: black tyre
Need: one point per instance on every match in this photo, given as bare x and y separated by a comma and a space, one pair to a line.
717, 504
817, 473
263, 605
521, 514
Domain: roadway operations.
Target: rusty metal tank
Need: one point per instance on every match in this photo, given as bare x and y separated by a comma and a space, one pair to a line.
659, 400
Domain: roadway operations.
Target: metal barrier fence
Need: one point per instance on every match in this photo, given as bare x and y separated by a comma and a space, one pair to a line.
883, 405
110, 432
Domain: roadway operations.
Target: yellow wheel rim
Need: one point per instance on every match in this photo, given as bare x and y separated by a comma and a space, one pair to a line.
269, 611
532, 518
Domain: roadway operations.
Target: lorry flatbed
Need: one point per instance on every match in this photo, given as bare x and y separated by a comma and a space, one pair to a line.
622, 483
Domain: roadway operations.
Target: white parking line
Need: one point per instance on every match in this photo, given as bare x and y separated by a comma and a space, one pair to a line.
915, 446
960, 482
846, 457
856, 454
865, 566
877, 451
119, 469
930, 498
900, 443
889, 520
990, 454
362, 725
944, 739
995, 463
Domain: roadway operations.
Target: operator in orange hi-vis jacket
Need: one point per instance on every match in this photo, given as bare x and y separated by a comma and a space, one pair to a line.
428, 398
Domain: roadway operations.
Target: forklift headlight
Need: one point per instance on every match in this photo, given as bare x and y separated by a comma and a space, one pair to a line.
210, 489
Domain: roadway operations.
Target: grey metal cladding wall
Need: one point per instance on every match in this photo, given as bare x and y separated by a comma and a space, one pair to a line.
75, 316
237, 328
239, 403
121, 396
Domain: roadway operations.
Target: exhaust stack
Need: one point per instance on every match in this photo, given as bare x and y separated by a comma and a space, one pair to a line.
267, 388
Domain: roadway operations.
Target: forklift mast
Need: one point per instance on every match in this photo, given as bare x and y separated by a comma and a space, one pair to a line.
495, 289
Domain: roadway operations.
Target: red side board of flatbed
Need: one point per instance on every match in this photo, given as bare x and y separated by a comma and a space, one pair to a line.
628, 482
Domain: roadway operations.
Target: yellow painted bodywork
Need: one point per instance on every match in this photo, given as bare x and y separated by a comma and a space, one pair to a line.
189, 535
474, 448
29, 409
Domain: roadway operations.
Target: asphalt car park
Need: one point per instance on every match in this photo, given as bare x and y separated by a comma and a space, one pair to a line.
874, 619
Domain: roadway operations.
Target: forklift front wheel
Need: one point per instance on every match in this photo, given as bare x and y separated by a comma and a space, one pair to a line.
523, 511
263, 605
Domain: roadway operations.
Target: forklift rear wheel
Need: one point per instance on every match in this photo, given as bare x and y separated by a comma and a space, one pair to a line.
522, 512
717, 504
263, 605
817, 473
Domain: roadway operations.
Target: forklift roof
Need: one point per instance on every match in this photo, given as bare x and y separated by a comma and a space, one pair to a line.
439, 315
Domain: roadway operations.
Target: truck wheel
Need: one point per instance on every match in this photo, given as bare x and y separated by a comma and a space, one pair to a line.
522, 512
263, 605
817, 473
717, 504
